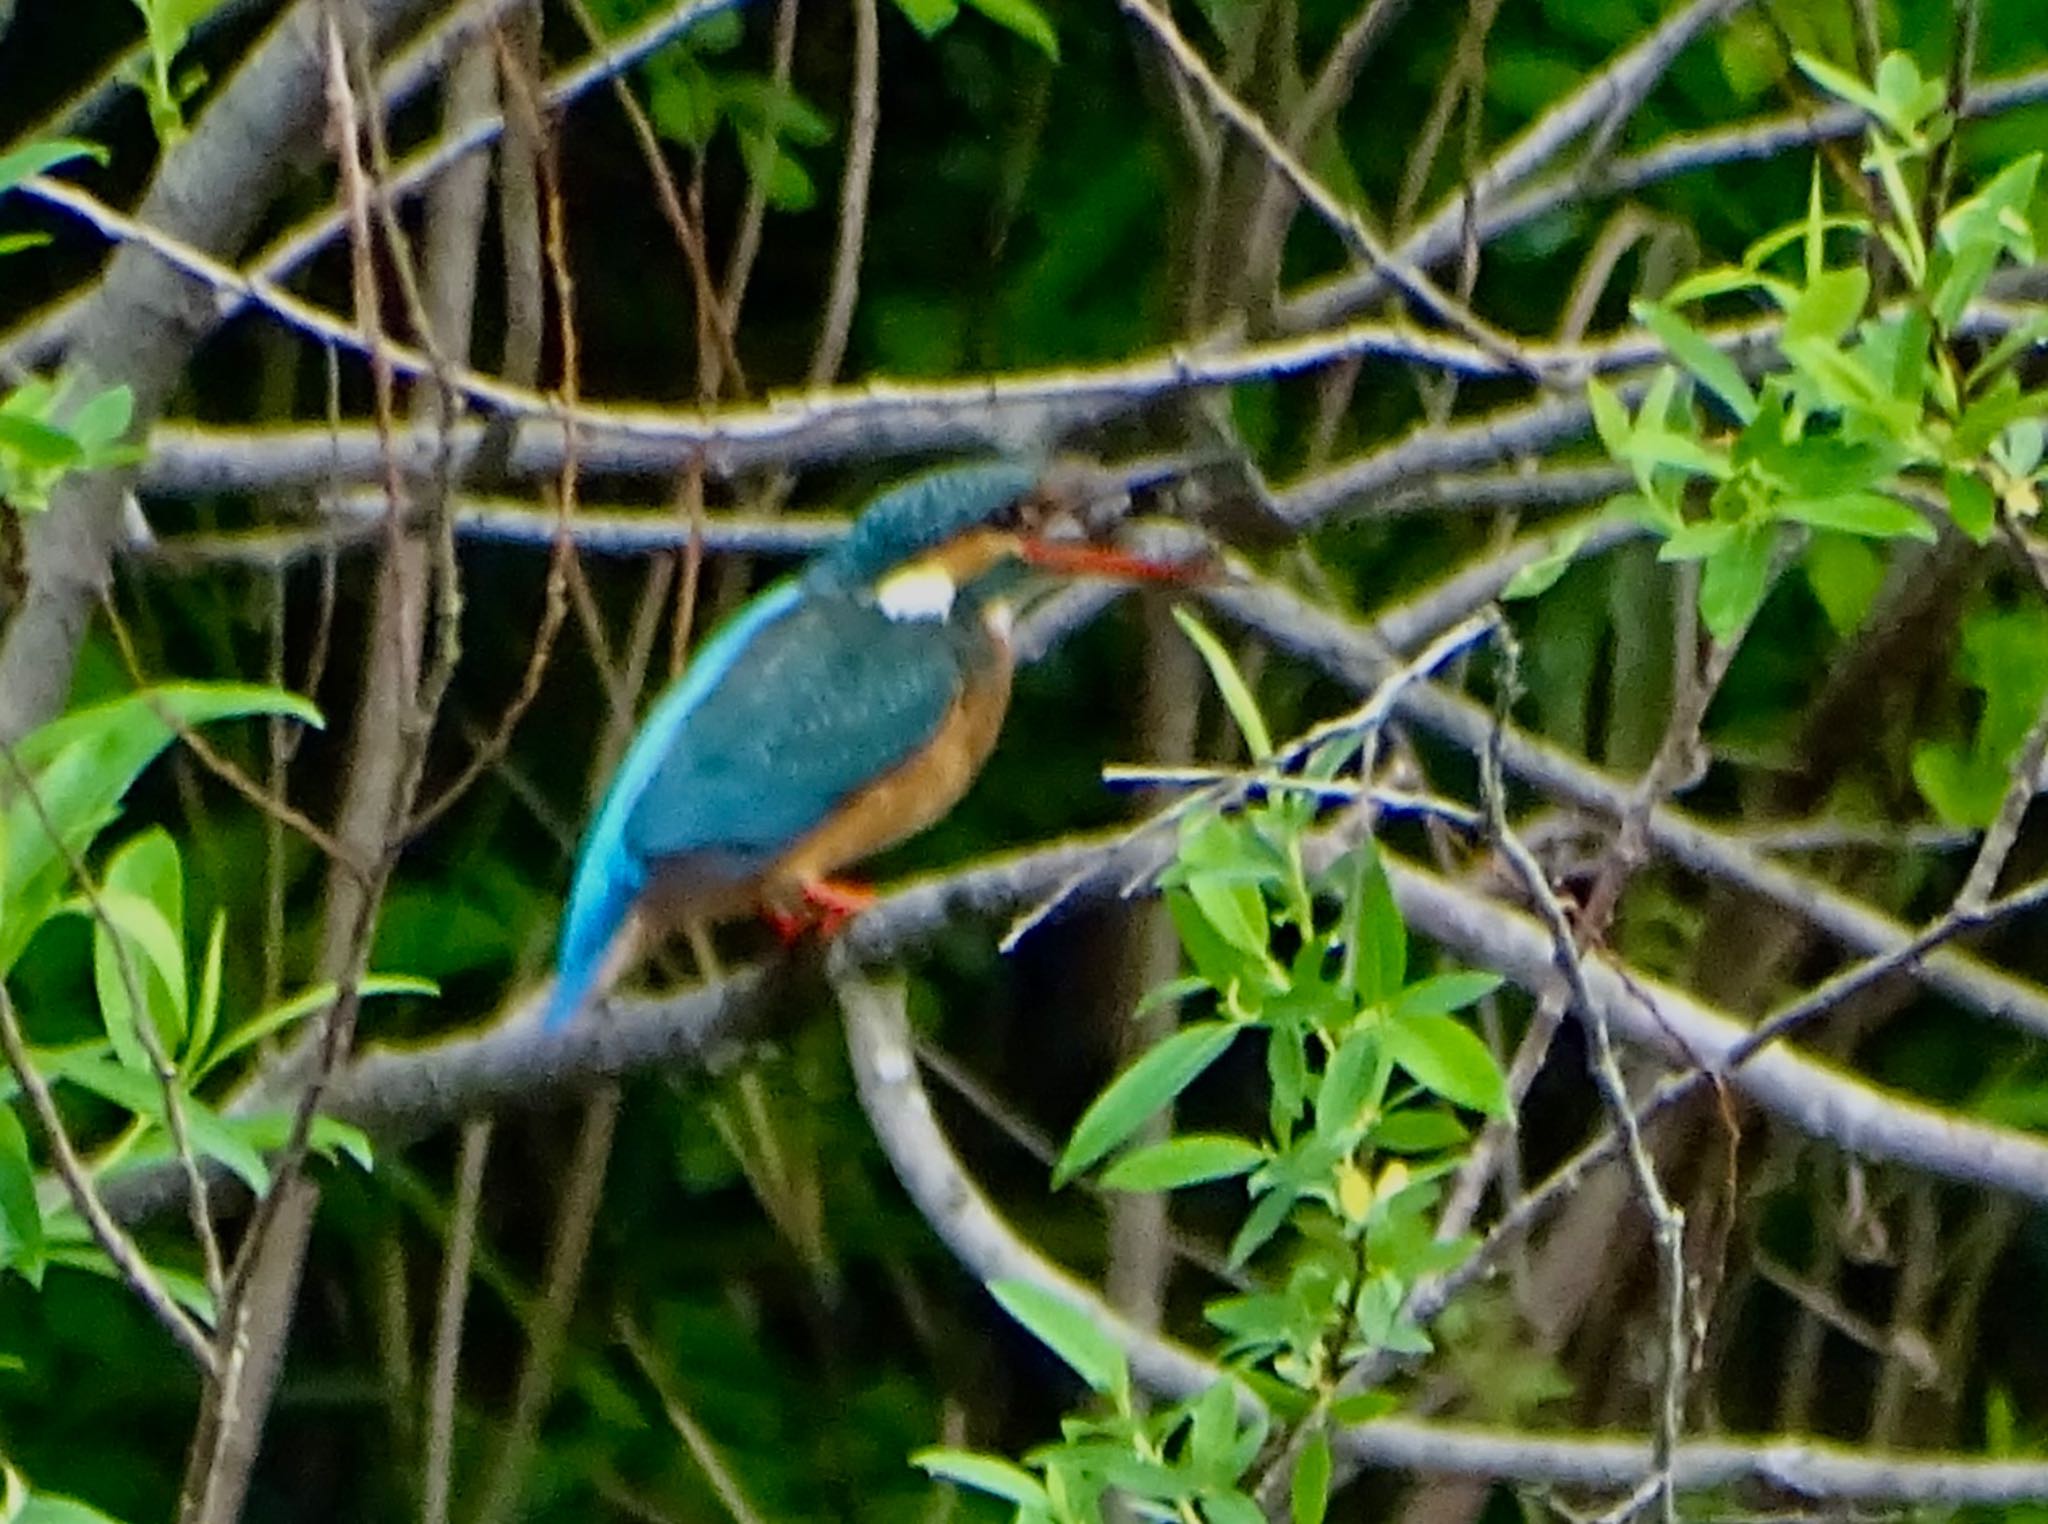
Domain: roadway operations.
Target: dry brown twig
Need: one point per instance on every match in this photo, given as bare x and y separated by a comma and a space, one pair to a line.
1362, 242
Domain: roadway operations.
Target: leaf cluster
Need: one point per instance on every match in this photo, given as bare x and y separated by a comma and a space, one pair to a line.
1876, 422
163, 1027
1369, 1078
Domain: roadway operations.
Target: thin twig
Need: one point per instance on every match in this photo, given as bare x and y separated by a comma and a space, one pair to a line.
731, 1494
568, 1255
746, 245
844, 288
1363, 243
711, 314
1667, 1221
438, 1461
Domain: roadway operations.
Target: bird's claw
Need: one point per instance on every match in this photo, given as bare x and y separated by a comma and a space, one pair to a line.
828, 905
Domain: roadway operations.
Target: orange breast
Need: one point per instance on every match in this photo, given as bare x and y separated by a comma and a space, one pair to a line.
916, 794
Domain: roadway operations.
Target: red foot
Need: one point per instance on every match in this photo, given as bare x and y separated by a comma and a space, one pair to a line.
789, 928
830, 904
837, 901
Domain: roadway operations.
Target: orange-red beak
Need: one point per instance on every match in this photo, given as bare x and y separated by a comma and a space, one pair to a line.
1081, 560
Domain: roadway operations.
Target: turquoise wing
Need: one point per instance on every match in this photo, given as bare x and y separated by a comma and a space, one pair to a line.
608, 877
796, 704
824, 701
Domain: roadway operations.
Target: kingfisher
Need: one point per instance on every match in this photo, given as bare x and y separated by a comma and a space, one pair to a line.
841, 711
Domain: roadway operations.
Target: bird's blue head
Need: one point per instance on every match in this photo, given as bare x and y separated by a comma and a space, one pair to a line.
978, 527
918, 517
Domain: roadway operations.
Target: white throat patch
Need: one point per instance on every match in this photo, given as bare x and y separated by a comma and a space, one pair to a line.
920, 591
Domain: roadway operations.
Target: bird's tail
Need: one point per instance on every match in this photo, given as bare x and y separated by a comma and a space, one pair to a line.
598, 904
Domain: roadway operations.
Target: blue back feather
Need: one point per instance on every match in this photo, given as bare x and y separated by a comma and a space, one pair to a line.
608, 877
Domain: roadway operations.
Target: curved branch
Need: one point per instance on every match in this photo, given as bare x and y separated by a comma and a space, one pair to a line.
885, 1073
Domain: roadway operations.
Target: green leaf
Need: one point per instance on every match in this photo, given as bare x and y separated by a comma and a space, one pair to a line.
300, 1006
1967, 271
1870, 514
1445, 1058
206, 1014
1696, 353
1232, 1507
1141, 1091
48, 1508
80, 1254
140, 923
1723, 281
212, 1137
930, 17
683, 99
1237, 694
1309, 1493
1610, 418
82, 764
1171, 993
1375, 937
39, 445
1287, 1073
1221, 965
1829, 306
1351, 1081
132, 941
102, 419
1845, 575
1189, 1160
1997, 215
1064, 1329
1841, 84
1540, 575
21, 1219
1735, 579
984, 1473
1363, 1407
1816, 465
2015, 341
2005, 655
1655, 446
1212, 1429
1908, 98
1972, 504
1840, 381
1261, 1223
40, 158
1987, 417
1417, 1130
1236, 909
2019, 447
1965, 790
1025, 19
1697, 540
1902, 235
269, 1131
1441, 993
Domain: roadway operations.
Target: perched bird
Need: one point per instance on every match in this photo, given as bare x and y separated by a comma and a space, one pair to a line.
844, 709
